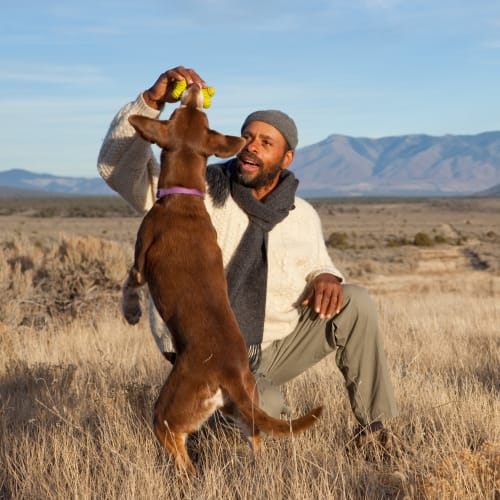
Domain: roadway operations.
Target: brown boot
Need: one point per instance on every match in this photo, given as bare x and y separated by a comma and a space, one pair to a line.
377, 443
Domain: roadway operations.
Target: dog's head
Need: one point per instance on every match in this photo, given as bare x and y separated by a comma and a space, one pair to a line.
187, 130
192, 97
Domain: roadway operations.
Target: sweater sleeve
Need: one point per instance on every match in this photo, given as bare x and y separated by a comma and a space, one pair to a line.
322, 261
126, 161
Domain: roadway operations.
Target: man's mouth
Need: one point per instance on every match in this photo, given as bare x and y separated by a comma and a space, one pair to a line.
249, 162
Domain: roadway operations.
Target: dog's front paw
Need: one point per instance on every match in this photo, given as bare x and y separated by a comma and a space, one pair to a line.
131, 305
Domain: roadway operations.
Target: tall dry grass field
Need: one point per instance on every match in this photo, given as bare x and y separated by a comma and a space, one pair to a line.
77, 384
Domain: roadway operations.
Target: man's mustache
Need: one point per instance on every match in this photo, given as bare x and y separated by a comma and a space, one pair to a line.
246, 156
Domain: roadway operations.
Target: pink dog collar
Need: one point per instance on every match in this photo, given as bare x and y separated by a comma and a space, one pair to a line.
178, 190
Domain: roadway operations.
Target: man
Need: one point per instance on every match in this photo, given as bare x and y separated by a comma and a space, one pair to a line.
290, 301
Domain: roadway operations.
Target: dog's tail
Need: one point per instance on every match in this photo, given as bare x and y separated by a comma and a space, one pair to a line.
257, 417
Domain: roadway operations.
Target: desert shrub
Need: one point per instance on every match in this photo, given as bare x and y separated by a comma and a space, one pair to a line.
491, 235
398, 241
338, 240
363, 267
422, 240
60, 281
67, 206
440, 239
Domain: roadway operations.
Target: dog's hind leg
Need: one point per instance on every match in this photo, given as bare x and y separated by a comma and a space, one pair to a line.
184, 403
169, 426
175, 444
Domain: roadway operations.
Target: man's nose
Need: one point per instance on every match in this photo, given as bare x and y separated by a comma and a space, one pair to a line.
251, 145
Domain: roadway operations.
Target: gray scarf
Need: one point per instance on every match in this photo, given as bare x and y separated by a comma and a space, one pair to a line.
247, 270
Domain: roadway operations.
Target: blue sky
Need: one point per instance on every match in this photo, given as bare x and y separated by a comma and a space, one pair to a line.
367, 68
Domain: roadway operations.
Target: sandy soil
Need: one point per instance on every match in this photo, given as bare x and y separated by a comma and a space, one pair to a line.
378, 247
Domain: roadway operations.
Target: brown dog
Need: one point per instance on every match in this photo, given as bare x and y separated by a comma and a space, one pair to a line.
178, 256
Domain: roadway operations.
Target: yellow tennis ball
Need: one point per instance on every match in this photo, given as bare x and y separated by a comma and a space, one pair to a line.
179, 88
207, 94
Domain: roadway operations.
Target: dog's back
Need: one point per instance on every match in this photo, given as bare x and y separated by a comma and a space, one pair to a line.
178, 255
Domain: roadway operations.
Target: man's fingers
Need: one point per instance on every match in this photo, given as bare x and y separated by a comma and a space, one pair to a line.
327, 304
188, 74
328, 301
319, 296
308, 297
196, 78
325, 296
330, 305
336, 301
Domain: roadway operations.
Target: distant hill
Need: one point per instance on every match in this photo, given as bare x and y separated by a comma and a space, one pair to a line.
17, 182
340, 165
492, 191
408, 164
12, 192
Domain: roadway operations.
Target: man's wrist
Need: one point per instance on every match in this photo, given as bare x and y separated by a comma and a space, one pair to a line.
152, 103
329, 273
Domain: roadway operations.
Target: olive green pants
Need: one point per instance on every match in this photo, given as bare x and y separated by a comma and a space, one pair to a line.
354, 336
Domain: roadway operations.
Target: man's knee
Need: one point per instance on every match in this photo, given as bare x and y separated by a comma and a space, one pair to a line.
357, 321
358, 299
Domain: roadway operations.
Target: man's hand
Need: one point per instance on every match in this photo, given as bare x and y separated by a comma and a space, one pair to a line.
161, 91
324, 295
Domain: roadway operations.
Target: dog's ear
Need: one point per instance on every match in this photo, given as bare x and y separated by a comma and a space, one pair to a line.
224, 146
155, 131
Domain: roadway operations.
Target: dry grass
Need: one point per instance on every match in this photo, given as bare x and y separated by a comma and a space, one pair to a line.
77, 384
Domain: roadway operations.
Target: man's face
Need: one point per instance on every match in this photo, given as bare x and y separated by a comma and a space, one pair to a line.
265, 154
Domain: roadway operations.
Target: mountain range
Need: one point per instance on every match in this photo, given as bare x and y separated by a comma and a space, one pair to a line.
17, 182
341, 165
402, 165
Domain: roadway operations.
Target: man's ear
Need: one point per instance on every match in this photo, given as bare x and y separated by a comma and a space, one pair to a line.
222, 145
150, 129
287, 159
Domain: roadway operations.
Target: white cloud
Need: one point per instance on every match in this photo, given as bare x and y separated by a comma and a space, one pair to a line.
51, 73
57, 107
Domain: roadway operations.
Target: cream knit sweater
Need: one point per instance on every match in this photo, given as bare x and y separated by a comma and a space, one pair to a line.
297, 252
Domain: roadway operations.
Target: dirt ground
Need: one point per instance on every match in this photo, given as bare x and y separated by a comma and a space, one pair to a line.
406, 245
386, 244
78, 383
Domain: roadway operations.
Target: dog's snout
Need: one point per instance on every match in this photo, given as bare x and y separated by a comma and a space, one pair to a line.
192, 96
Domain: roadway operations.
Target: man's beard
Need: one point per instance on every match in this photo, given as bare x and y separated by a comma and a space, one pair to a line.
263, 178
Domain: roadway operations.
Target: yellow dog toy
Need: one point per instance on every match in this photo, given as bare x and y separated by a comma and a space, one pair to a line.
180, 87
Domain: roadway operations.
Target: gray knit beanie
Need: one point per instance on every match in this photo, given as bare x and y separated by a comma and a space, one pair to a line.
279, 121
